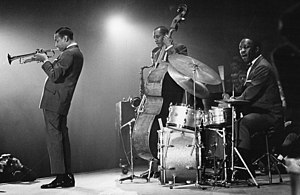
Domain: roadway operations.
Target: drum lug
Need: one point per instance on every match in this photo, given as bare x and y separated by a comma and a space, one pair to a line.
171, 183
189, 168
161, 168
161, 145
171, 168
174, 179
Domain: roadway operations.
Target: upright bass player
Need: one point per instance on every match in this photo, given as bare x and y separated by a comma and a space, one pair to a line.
171, 92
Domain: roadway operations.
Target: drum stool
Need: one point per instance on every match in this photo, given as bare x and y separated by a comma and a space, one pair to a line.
272, 161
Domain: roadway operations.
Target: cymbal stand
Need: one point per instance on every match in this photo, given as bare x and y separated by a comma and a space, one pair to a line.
235, 150
197, 145
132, 176
224, 182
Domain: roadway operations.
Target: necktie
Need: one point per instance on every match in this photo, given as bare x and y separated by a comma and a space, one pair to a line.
248, 72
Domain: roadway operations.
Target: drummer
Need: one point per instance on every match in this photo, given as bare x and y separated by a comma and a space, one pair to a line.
265, 107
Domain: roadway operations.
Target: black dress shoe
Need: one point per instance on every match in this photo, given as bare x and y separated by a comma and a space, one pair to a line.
69, 180
62, 181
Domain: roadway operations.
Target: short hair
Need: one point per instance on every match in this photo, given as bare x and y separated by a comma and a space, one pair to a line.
256, 42
162, 29
65, 31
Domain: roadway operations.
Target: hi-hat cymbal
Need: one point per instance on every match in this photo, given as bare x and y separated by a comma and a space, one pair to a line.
234, 102
186, 65
187, 83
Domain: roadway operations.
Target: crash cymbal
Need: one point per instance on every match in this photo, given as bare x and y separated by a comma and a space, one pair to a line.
187, 83
186, 65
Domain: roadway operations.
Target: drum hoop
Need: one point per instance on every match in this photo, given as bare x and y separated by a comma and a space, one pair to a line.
182, 105
173, 125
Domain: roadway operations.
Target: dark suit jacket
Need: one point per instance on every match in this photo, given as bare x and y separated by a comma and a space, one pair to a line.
177, 48
63, 75
261, 89
171, 91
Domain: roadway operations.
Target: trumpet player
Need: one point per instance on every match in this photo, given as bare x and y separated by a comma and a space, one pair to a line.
56, 99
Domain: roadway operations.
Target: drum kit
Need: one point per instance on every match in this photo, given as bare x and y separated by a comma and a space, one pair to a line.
192, 138
183, 155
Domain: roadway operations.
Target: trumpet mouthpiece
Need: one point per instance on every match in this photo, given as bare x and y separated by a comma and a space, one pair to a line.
9, 59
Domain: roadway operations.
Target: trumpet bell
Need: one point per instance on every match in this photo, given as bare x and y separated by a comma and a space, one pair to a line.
25, 58
9, 59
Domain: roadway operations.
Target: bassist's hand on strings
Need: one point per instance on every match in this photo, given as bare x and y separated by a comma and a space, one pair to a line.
168, 41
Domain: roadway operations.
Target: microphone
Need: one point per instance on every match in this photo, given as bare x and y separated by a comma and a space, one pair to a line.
128, 123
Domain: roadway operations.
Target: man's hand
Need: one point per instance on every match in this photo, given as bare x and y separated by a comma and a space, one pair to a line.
40, 57
225, 96
167, 41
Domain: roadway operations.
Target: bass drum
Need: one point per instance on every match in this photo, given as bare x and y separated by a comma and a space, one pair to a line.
178, 156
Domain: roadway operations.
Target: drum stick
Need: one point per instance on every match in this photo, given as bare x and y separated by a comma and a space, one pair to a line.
160, 124
168, 138
161, 128
221, 73
162, 144
193, 146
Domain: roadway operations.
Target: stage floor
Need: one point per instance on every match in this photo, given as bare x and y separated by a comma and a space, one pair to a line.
106, 182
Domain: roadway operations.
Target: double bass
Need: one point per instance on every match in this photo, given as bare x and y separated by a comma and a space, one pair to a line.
146, 124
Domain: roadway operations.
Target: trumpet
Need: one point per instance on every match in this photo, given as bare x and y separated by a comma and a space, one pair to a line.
30, 56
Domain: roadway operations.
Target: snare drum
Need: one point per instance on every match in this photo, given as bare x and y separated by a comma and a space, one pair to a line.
217, 116
182, 117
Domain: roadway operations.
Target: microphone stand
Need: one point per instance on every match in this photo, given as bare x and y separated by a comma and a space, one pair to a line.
132, 176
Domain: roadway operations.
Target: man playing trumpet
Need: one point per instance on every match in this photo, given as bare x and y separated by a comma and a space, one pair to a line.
59, 87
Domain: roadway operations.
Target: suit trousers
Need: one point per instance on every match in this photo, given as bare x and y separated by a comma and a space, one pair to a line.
250, 124
58, 143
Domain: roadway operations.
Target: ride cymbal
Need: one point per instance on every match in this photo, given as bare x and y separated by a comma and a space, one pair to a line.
187, 65
187, 83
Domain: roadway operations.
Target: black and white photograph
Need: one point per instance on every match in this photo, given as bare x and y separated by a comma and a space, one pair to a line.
144, 97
